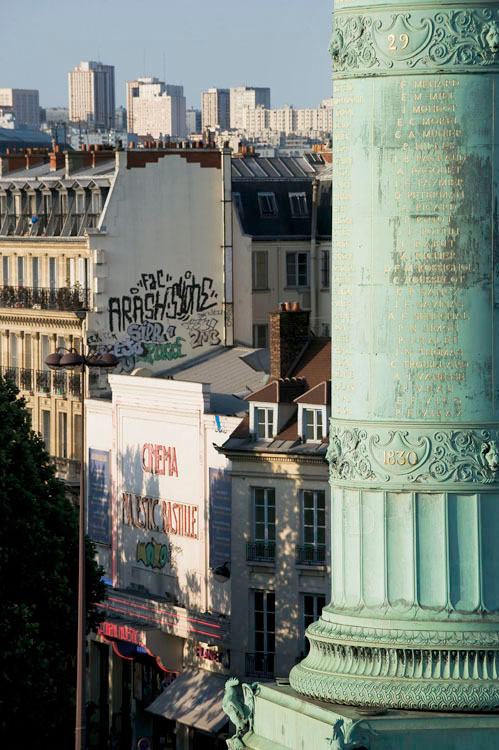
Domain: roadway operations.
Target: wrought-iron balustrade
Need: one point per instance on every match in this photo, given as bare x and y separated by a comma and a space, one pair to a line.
44, 298
311, 554
259, 664
260, 551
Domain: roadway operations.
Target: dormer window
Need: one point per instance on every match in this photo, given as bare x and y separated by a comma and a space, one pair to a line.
264, 422
267, 204
298, 203
313, 424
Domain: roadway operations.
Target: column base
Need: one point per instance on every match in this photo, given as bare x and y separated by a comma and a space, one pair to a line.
284, 720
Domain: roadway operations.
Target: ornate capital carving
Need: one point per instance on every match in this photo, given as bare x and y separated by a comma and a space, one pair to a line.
422, 41
457, 456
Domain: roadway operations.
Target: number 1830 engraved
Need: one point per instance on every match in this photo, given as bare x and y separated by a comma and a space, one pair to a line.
400, 458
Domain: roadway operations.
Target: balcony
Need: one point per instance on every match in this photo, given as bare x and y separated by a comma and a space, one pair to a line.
42, 298
260, 665
260, 552
67, 469
311, 554
44, 381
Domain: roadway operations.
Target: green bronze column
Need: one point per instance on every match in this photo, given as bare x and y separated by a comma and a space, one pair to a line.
414, 454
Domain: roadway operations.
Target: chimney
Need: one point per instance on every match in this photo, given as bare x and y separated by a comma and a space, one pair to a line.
289, 333
57, 159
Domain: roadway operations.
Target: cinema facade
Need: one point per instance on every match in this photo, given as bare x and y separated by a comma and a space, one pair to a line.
158, 509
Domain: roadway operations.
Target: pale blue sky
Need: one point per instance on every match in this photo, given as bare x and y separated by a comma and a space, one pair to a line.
277, 43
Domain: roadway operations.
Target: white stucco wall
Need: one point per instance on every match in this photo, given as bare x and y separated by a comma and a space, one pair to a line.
160, 243
160, 506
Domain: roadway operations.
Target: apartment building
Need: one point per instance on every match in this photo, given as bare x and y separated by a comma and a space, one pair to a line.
282, 240
215, 109
92, 94
88, 257
24, 105
260, 121
246, 96
46, 208
155, 108
280, 571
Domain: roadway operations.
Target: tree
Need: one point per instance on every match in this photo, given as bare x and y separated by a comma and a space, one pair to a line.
38, 587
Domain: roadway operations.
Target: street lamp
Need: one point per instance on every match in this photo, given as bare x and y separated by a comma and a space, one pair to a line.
72, 360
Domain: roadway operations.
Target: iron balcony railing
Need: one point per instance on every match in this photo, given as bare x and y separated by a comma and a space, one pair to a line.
260, 665
44, 381
43, 298
260, 551
311, 554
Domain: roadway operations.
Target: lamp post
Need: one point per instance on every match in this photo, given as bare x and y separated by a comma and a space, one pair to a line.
72, 360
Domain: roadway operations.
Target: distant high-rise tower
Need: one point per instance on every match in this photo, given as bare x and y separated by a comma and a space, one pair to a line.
24, 105
215, 112
246, 96
91, 94
193, 120
155, 108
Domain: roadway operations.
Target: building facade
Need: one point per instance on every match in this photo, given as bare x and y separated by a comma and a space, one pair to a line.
92, 94
280, 562
282, 240
161, 523
24, 105
246, 96
88, 256
215, 109
155, 108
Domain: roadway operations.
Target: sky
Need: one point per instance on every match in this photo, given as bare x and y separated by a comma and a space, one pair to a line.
199, 44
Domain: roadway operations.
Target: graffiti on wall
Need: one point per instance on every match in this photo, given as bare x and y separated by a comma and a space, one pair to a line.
161, 319
153, 554
157, 297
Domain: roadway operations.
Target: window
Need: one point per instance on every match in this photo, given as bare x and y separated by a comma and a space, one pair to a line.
264, 632
46, 429
52, 273
267, 204
45, 352
260, 336
83, 272
77, 436
5, 267
297, 269
325, 269
20, 271
314, 518
63, 435
298, 204
313, 604
35, 273
313, 424
70, 272
236, 197
260, 269
264, 513
264, 423
13, 350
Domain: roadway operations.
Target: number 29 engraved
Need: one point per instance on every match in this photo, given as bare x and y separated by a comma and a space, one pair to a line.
403, 39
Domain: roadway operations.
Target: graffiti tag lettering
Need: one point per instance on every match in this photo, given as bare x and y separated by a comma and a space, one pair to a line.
156, 297
156, 352
153, 554
203, 330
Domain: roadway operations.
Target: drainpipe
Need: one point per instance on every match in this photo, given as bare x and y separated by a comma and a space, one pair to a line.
314, 263
226, 160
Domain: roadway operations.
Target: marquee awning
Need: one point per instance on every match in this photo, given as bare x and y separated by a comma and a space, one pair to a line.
194, 699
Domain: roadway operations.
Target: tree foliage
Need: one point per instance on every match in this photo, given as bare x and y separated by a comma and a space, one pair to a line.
38, 587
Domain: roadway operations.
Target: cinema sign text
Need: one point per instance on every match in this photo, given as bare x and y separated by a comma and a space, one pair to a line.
153, 514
